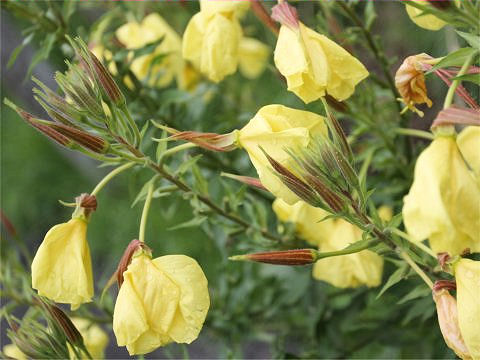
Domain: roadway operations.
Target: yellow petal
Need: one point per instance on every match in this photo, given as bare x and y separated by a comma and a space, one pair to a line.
94, 338
469, 143
467, 276
442, 204
362, 268
252, 57
194, 298
274, 128
193, 39
62, 269
226, 7
426, 21
12, 351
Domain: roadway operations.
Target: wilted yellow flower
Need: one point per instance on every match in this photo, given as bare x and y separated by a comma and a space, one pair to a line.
410, 82
153, 27
443, 202
313, 64
211, 44
62, 268
252, 57
352, 270
274, 128
308, 220
94, 338
161, 301
426, 21
469, 144
448, 321
467, 276
12, 351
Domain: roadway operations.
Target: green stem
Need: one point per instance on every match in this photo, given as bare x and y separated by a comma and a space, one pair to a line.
455, 83
418, 244
132, 124
348, 250
413, 132
110, 176
146, 209
417, 269
174, 150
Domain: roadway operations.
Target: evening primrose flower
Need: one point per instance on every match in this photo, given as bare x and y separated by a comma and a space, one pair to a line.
94, 338
252, 57
410, 82
467, 276
211, 43
160, 301
442, 204
312, 64
153, 27
275, 128
62, 268
426, 21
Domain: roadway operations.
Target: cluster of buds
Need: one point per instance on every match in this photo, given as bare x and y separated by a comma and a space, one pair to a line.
91, 115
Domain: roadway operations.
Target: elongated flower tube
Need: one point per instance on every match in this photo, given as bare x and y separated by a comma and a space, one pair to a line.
442, 204
420, 18
275, 128
160, 301
152, 28
62, 268
312, 64
467, 276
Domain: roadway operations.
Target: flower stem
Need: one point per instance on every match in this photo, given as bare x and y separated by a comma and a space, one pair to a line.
146, 209
110, 176
418, 244
132, 124
417, 269
456, 82
174, 150
414, 132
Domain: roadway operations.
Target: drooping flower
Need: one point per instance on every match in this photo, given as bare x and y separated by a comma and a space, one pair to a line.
62, 268
94, 338
160, 301
313, 64
426, 21
469, 144
410, 82
211, 42
442, 204
275, 128
467, 276
252, 57
153, 27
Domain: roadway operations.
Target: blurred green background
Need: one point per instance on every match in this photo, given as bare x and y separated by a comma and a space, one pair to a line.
258, 311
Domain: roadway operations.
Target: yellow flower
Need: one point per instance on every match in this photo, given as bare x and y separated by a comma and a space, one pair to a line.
211, 44
94, 338
442, 204
447, 314
426, 21
274, 128
153, 27
252, 57
467, 276
469, 144
410, 82
308, 220
62, 268
160, 301
314, 65
188, 78
227, 7
352, 270
12, 351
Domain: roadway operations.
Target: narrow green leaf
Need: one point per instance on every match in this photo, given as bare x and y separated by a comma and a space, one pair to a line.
395, 278
19, 49
456, 58
474, 78
420, 291
190, 223
472, 40
42, 54
187, 164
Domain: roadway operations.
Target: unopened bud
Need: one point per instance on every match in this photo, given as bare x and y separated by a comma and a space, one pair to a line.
64, 322
285, 15
83, 138
286, 257
251, 181
328, 196
105, 79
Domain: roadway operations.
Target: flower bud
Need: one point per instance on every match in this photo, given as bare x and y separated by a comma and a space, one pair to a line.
106, 81
286, 257
251, 181
83, 138
209, 141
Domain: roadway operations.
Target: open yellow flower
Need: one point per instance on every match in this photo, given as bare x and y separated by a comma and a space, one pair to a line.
426, 21
313, 64
275, 128
153, 27
211, 43
62, 268
161, 301
467, 276
94, 338
252, 57
442, 204
469, 144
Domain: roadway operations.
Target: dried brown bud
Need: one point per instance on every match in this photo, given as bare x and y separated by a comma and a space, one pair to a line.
127, 258
287, 257
87, 201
